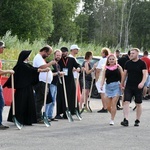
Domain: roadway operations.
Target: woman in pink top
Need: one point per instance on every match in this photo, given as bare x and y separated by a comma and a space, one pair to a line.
112, 74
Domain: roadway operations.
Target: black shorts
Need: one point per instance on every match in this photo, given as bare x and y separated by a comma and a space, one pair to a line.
87, 84
131, 92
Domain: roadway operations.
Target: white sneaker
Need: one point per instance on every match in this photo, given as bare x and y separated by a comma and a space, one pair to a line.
111, 122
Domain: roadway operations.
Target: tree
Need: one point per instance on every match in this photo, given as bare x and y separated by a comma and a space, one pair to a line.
140, 33
82, 22
28, 19
63, 17
89, 10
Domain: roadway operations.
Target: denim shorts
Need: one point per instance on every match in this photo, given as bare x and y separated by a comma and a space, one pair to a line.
113, 89
147, 83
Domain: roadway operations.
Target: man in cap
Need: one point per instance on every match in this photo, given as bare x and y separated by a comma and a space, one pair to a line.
73, 52
2, 72
66, 65
74, 49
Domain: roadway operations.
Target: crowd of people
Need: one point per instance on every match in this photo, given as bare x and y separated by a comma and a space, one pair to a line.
116, 78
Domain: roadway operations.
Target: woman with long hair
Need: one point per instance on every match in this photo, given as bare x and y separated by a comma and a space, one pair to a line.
112, 74
87, 68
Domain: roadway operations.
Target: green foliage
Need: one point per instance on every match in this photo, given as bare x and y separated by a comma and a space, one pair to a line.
28, 19
63, 17
14, 46
107, 23
82, 22
115, 23
141, 25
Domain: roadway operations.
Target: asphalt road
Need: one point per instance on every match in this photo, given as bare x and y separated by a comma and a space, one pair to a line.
93, 132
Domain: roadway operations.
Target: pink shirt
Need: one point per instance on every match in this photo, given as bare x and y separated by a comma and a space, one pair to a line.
112, 67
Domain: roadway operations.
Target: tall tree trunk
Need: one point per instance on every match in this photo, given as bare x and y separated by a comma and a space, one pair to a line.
122, 20
127, 29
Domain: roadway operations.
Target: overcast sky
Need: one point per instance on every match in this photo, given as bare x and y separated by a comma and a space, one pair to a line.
79, 7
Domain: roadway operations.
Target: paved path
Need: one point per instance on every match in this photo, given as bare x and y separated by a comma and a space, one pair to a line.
92, 133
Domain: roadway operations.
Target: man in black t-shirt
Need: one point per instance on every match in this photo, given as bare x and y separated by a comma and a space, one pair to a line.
136, 73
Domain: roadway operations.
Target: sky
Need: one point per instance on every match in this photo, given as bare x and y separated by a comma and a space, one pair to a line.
80, 7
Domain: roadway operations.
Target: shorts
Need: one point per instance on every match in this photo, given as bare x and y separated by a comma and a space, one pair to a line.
97, 84
113, 89
87, 84
147, 83
129, 92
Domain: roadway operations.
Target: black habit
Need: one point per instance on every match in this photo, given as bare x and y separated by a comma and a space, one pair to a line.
68, 63
25, 77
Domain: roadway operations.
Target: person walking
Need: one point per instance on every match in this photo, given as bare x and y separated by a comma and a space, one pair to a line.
135, 74
2, 72
25, 77
39, 62
99, 71
112, 74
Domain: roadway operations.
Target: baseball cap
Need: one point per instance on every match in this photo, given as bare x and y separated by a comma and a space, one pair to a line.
2, 44
74, 47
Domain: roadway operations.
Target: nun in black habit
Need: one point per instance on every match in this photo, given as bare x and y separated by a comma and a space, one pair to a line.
25, 77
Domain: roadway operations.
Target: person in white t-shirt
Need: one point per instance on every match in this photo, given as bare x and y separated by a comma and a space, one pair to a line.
74, 49
99, 71
39, 62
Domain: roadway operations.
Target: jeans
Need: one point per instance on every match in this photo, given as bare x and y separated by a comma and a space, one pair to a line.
1, 103
50, 106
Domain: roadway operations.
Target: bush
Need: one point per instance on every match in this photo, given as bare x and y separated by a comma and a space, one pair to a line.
14, 47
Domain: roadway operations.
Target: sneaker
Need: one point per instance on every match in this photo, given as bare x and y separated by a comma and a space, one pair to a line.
53, 119
102, 111
111, 122
125, 122
49, 120
58, 117
2, 127
145, 98
119, 108
40, 121
65, 116
136, 124
148, 97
